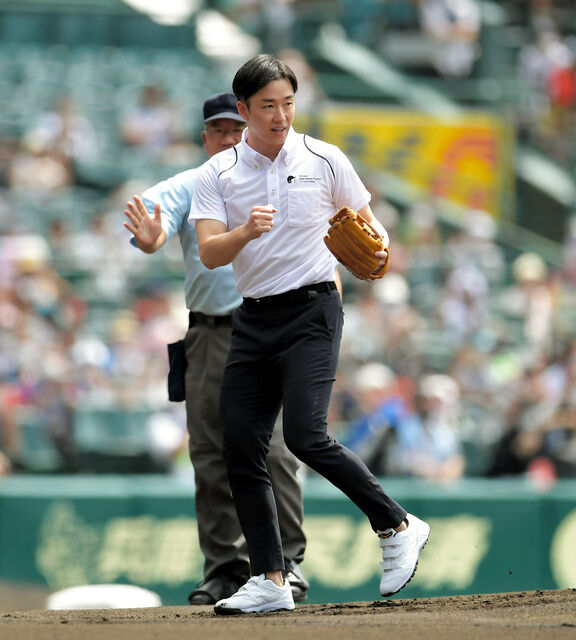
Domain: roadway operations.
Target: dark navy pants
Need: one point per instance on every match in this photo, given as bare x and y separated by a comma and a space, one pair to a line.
284, 353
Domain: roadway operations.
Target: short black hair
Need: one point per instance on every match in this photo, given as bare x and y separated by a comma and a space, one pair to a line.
258, 72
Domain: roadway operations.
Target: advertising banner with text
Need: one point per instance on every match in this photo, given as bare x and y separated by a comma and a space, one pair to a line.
487, 537
465, 159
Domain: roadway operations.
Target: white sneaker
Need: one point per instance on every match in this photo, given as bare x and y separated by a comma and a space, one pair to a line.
400, 552
258, 595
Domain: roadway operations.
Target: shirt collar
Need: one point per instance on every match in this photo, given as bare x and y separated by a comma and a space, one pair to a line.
257, 160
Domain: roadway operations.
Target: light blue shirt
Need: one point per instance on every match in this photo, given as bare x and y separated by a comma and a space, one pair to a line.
212, 292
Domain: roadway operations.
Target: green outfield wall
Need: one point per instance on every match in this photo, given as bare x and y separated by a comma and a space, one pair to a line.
487, 536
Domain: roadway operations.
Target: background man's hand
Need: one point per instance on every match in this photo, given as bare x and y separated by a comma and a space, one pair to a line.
147, 229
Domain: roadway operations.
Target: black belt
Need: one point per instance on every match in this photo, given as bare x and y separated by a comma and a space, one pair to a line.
196, 318
307, 292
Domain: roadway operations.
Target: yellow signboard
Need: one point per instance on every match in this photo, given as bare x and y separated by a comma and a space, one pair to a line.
465, 160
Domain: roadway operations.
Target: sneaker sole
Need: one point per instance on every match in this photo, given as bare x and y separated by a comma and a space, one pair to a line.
386, 595
229, 611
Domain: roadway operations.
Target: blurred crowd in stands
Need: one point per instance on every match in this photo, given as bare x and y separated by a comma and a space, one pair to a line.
448, 43
460, 362
547, 64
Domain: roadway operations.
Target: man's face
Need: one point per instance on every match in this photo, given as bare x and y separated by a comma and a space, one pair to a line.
269, 113
221, 134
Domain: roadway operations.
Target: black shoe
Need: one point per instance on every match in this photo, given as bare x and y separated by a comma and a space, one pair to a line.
298, 582
214, 589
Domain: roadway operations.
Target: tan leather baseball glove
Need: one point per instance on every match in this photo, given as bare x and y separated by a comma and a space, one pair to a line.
353, 241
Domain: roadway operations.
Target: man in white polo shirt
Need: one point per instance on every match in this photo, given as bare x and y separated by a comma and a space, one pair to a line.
211, 296
264, 205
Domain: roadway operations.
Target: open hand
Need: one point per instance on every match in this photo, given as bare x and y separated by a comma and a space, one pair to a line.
146, 229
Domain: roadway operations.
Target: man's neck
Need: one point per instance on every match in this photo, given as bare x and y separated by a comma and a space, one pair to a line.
269, 151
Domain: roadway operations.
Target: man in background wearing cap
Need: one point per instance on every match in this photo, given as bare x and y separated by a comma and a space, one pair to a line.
211, 297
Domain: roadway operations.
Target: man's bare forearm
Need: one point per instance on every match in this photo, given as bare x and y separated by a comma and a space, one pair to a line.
219, 249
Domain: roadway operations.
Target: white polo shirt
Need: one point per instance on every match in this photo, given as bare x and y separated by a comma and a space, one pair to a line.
307, 183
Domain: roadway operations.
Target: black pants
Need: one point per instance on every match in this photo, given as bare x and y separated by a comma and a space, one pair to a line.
284, 353
219, 533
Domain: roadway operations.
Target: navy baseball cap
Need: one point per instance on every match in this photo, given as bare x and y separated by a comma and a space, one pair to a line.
222, 105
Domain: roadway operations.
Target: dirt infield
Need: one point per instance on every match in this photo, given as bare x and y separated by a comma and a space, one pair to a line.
530, 615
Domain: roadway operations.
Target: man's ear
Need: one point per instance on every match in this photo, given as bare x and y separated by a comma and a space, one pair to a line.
243, 110
204, 140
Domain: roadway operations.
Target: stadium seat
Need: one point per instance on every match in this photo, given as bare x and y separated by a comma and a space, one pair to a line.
111, 431
37, 450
